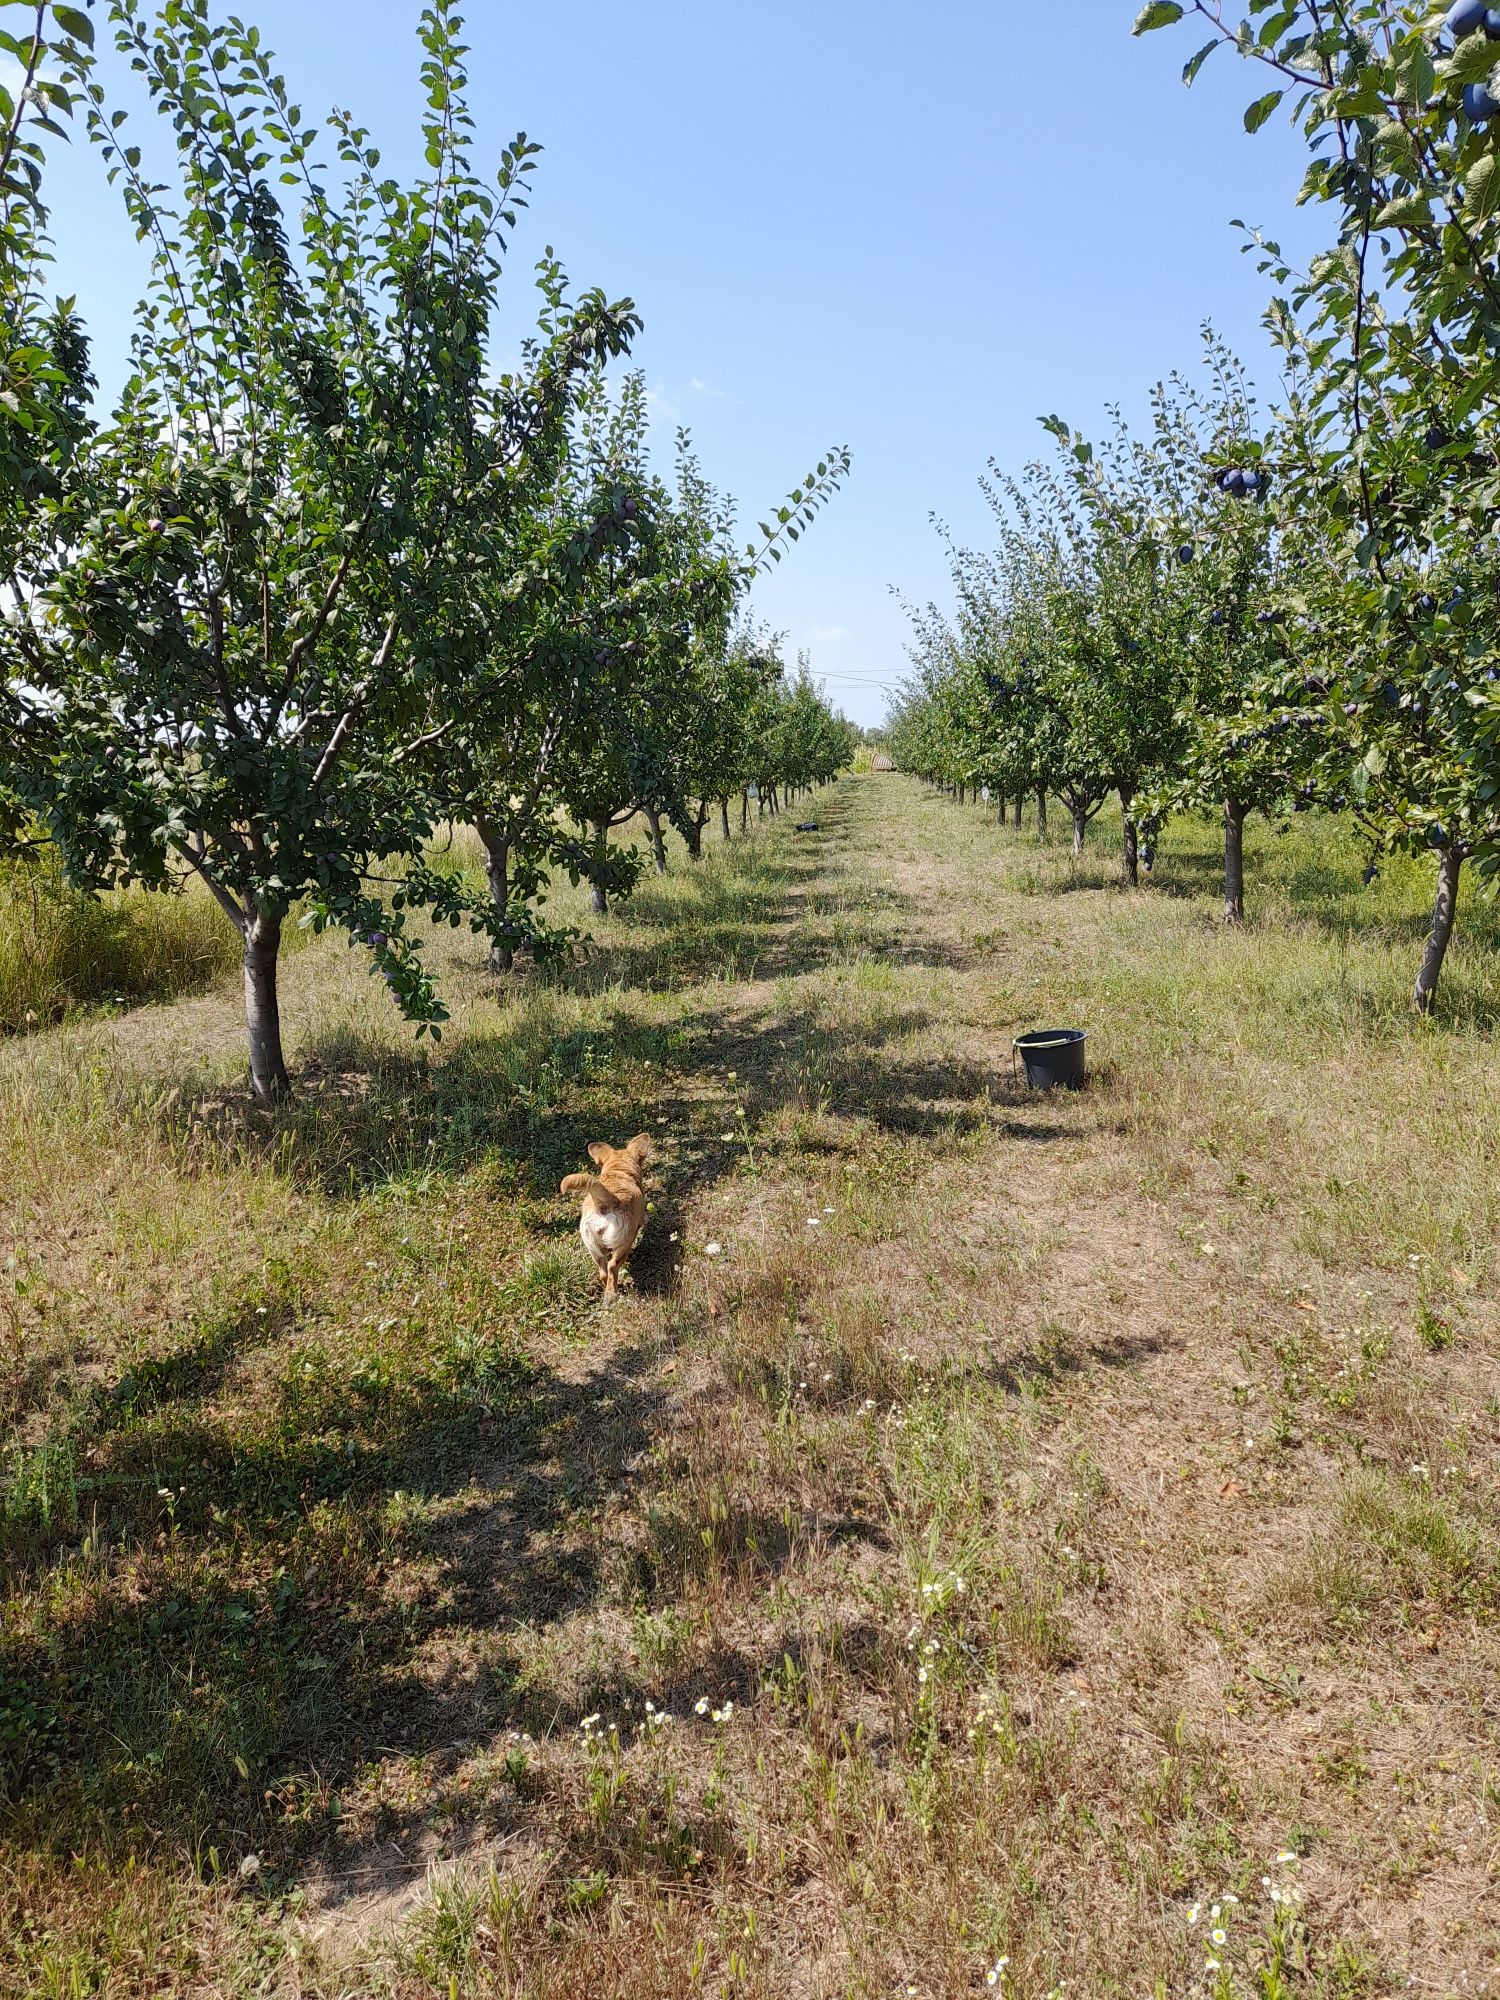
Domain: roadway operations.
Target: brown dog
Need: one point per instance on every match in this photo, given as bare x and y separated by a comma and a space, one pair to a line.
614, 1205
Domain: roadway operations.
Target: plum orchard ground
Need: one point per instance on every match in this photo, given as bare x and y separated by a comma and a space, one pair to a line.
340, 1505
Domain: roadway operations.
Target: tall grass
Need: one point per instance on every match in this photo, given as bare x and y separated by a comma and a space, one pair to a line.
61, 949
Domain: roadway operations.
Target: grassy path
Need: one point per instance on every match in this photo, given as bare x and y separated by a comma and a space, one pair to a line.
1033, 1516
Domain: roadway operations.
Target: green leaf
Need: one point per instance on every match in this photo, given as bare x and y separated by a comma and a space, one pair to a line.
1192, 68
1420, 74
1261, 109
73, 21
1160, 14
1482, 186
1407, 211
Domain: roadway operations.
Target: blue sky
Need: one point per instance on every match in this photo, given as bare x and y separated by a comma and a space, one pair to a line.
912, 231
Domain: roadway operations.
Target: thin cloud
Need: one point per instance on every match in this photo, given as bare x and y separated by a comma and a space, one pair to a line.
661, 403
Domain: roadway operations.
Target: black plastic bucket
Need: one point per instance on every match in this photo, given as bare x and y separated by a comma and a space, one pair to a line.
1053, 1057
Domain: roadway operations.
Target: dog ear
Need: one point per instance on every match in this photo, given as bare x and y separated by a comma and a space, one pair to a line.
641, 1146
598, 1152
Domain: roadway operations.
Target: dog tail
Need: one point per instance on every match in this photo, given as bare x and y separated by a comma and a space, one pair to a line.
583, 1184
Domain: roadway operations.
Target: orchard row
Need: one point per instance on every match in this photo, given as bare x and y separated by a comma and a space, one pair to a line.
1242, 612
330, 578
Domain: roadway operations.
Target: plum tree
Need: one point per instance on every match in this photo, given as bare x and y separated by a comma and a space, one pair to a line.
1390, 442
228, 648
44, 356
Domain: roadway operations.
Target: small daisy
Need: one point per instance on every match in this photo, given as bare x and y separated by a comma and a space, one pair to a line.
713, 1249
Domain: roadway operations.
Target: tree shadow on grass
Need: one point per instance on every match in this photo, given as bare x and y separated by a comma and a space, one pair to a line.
287, 1592
373, 1116
270, 1600
1057, 1355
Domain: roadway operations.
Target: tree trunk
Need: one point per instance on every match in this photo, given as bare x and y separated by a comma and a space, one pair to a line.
1131, 847
268, 1077
694, 834
598, 901
658, 845
1080, 828
1018, 812
1234, 862
1425, 990
724, 816
1041, 813
962, 796
744, 810
497, 875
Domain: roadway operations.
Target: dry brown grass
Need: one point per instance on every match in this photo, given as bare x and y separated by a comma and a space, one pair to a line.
1066, 1506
